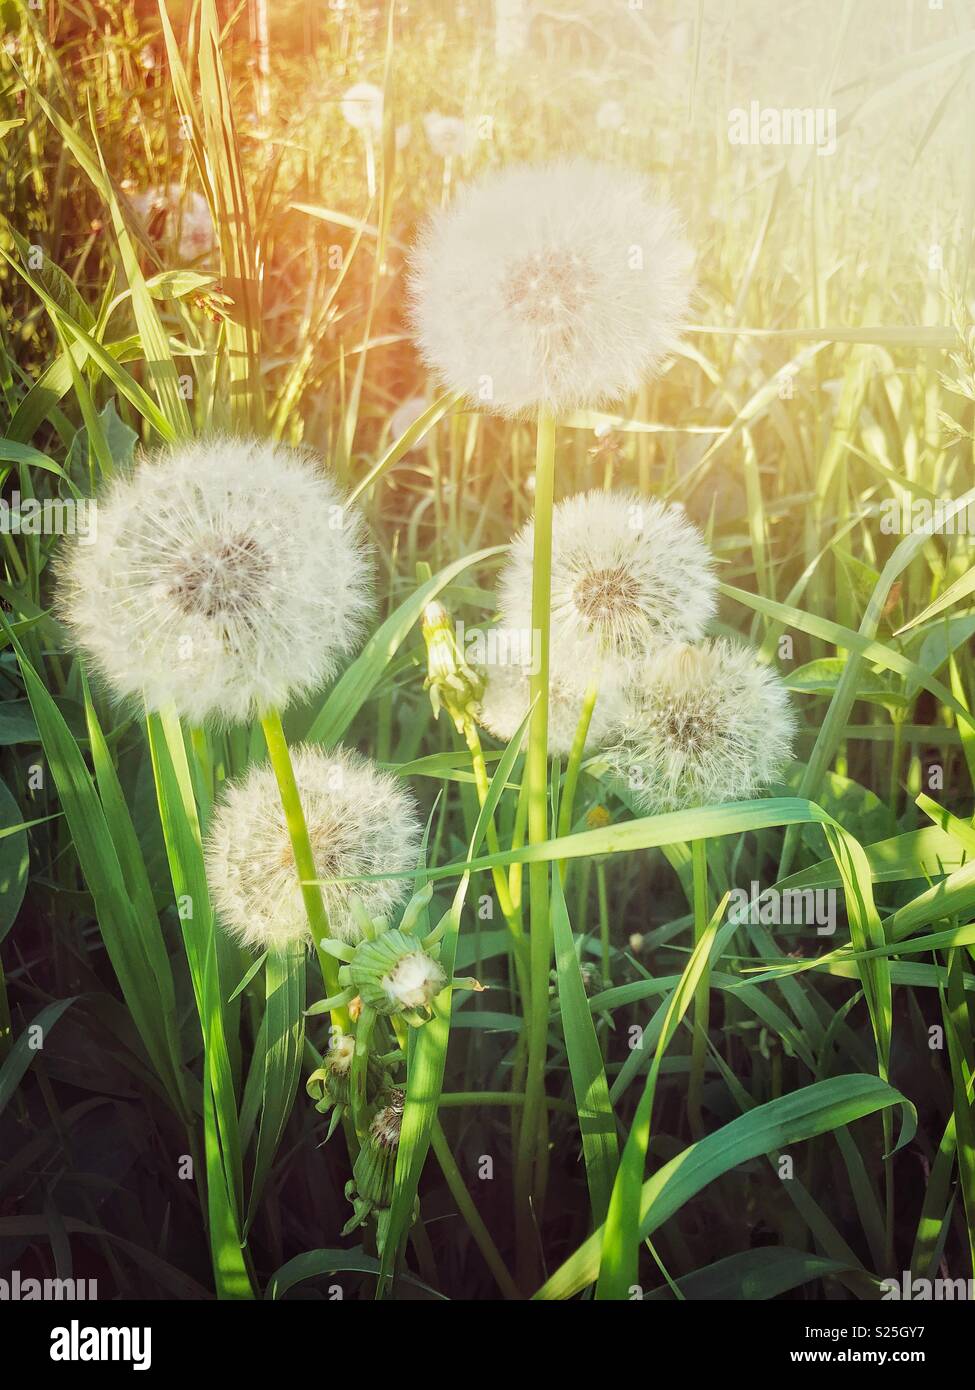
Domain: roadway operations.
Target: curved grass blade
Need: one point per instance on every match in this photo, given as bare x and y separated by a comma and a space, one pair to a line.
813, 1110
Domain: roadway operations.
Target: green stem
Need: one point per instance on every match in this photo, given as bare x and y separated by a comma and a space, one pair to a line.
603, 899
533, 1127
702, 995
280, 757
575, 763
512, 915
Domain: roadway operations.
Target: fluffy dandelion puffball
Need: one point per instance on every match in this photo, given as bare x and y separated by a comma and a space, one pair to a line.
226, 577
558, 286
362, 106
703, 724
178, 216
629, 574
505, 701
361, 821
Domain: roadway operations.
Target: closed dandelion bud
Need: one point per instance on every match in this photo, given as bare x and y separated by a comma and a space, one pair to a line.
371, 1187
394, 975
450, 681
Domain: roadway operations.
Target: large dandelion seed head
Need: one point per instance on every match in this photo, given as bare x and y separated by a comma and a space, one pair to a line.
360, 821
629, 574
226, 578
558, 286
506, 699
702, 725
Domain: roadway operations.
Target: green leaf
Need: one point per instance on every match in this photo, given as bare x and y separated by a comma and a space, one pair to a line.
24, 1049
597, 1123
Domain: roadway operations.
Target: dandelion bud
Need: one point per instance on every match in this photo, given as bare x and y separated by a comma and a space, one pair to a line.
703, 725
450, 681
393, 975
371, 1187
629, 575
329, 1084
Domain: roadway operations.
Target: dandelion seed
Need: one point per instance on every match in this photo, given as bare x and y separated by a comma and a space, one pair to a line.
556, 287
362, 106
226, 578
703, 725
179, 217
628, 575
361, 821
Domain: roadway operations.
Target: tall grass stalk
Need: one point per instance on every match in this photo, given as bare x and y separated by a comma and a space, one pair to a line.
533, 1124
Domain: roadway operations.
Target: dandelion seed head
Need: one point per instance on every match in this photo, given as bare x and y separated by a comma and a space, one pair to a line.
448, 135
361, 821
702, 725
225, 578
178, 216
558, 286
629, 574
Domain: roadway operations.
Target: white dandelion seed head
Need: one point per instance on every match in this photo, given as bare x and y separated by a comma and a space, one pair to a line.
448, 135
506, 700
561, 285
360, 820
703, 724
178, 216
629, 574
226, 578
414, 981
362, 106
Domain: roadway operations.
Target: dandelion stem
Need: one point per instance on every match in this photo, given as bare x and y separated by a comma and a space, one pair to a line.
280, 756
536, 772
574, 764
702, 995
